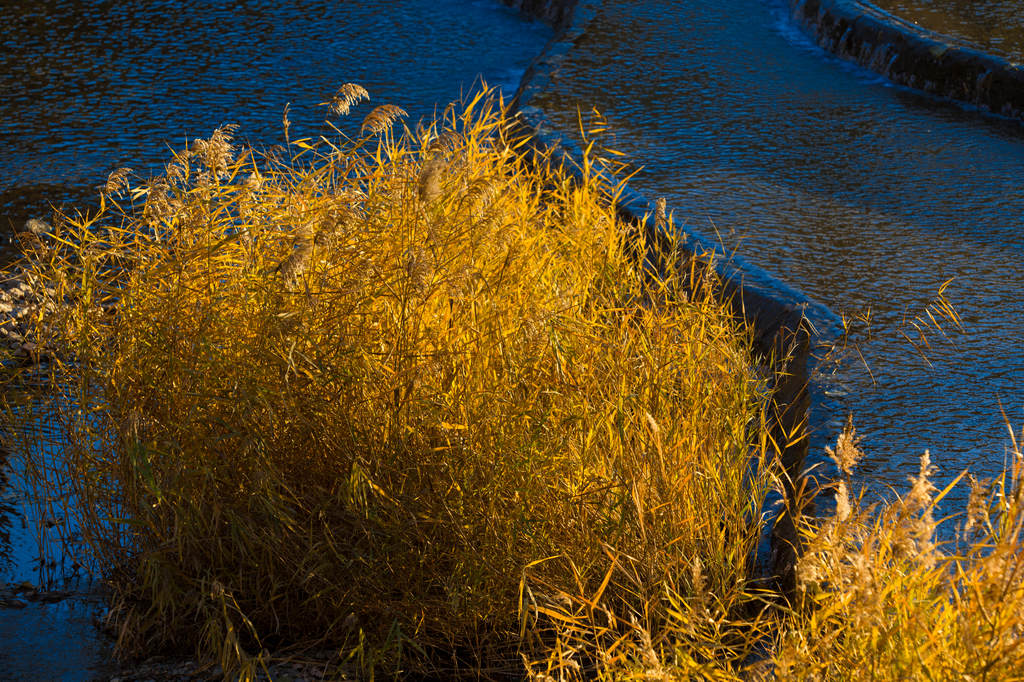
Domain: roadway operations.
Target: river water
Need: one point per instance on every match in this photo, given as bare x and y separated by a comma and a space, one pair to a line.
92, 85
861, 194
994, 26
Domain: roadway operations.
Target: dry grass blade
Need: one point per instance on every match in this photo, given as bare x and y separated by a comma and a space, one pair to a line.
882, 594
118, 181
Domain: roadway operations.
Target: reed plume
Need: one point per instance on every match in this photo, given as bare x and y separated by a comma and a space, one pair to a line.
382, 118
406, 373
118, 181
348, 95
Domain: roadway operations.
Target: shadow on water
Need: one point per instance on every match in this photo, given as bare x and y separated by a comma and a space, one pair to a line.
48, 612
6, 512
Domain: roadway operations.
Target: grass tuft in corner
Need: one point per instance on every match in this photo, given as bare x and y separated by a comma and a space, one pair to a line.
883, 597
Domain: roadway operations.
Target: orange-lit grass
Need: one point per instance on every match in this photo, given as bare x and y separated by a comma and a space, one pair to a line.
411, 399
884, 599
405, 396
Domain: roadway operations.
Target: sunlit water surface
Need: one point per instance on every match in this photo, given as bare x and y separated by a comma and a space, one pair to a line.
92, 86
995, 26
864, 195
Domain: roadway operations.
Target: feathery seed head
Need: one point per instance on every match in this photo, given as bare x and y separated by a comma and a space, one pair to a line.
863, 576
428, 186
419, 268
254, 182
446, 143
177, 171
158, 205
977, 504
217, 152
292, 267
484, 192
334, 225
36, 226
382, 118
920, 496
348, 95
846, 454
117, 181
842, 502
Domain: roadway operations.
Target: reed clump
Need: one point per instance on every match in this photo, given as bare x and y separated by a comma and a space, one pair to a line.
421, 401
407, 396
885, 591
882, 597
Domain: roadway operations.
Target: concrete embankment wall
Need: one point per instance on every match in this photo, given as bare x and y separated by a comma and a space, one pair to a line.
912, 56
787, 324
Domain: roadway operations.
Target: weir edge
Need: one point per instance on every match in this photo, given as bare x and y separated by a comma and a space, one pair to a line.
915, 57
789, 327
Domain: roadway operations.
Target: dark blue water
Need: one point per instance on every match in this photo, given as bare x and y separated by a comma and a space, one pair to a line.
864, 195
90, 86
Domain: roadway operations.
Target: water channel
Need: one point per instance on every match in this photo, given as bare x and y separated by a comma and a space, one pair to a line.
994, 26
92, 86
861, 194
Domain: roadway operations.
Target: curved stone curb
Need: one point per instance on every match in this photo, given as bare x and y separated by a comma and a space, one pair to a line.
767, 303
569, 23
558, 13
787, 324
913, 56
